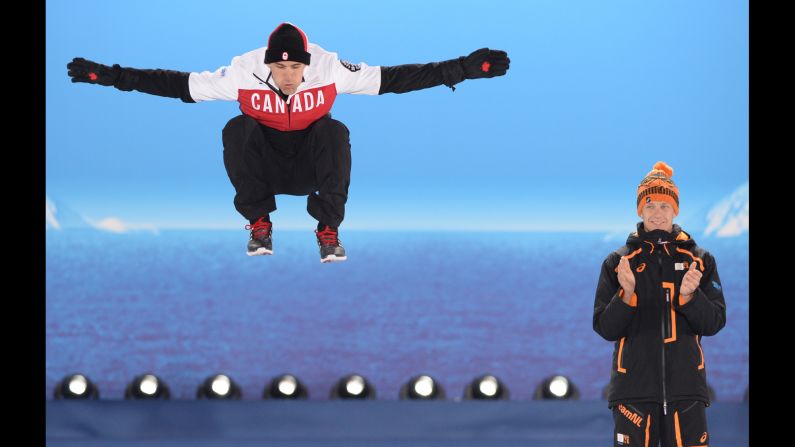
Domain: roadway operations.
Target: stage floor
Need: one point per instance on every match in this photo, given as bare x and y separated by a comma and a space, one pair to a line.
348, 423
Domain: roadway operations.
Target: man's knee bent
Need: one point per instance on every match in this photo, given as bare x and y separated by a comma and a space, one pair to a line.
332, 129
237, 130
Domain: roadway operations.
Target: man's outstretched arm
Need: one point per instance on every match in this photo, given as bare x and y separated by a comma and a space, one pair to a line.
169, 83
482, 63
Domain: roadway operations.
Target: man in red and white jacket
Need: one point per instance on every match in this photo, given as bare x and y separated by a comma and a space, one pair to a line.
285, 141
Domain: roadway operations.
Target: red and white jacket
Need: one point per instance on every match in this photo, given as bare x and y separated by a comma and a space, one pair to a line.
247, 80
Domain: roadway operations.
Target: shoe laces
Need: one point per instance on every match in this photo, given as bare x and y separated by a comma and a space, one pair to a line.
260, 229
327, 236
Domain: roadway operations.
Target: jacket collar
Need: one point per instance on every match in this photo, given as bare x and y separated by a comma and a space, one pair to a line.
677, 237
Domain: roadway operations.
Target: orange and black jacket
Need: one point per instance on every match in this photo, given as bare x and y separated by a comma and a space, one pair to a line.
657, 355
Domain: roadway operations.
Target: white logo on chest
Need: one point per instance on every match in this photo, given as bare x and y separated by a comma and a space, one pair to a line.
301, 102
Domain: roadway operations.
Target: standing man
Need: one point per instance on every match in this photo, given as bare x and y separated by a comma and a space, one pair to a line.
656, 297
285, 141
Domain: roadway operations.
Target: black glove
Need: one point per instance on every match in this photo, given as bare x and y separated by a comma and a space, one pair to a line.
485, 63
82, 70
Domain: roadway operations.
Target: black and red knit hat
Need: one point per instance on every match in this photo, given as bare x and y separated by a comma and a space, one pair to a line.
658, 186
287, 43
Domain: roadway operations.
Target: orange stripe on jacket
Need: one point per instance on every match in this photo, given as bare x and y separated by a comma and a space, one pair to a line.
700, 262
632, 255
701, 366
618, 360
629, 256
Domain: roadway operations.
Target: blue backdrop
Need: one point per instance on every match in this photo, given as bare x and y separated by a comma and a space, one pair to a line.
477, 219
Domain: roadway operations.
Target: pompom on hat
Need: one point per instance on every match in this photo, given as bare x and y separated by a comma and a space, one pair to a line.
287, 43
658, 186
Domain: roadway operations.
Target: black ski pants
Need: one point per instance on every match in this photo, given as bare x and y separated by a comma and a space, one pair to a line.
683, 424
263, 162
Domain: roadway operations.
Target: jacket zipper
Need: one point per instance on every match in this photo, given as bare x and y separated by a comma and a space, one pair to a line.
662, 344
289, 116
289, 124
285, 98
666, 314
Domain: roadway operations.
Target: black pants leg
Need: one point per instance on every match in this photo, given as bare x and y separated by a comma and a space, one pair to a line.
686, 424
315, 162
248, 162
328, 148
637, 425
645, 425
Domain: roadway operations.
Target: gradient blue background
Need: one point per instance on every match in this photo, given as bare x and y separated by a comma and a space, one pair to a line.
596, 94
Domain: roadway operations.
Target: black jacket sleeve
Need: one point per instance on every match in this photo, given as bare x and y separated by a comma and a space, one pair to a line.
410, 77
169, 83
611, 315
706, 311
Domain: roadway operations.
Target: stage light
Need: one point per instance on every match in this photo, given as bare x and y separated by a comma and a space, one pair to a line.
76, 386
422, 387
353, 386
556, 388
147, 386
486, 387
219, 386
285, 386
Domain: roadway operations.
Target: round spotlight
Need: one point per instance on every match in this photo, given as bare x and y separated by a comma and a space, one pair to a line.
285, 386
76, 386
147, 386
219, 386
556, 388
353, 386
422, 387
486, 387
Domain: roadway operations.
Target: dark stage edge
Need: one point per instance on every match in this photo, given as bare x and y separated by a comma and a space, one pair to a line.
349, 423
